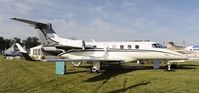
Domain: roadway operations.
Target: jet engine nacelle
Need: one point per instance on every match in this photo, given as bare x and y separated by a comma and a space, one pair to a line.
49, 48
74, 43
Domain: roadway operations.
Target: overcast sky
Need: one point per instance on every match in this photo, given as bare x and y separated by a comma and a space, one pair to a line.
106, 20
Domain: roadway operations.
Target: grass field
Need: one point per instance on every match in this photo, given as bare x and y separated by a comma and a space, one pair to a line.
19, 76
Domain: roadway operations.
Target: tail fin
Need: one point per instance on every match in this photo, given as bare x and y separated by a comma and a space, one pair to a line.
46, 32
24, 52
49, 37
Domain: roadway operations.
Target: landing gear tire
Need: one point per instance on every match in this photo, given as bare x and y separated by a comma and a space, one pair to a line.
76, 64
171, 67
93, 70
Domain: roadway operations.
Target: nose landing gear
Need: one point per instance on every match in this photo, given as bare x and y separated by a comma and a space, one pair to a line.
95, 68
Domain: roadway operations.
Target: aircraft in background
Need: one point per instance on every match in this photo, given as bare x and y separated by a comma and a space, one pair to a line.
192, 48
11, 52
100, 52
192, 52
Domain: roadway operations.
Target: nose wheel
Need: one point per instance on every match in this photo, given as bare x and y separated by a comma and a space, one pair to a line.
95, 68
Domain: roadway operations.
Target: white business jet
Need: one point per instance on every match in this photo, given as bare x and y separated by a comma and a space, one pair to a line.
99, 52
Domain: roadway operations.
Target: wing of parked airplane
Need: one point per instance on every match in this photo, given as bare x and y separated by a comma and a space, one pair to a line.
95, 60
82, 59
90, 59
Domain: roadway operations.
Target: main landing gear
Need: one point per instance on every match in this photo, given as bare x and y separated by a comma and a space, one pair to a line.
171, 67
95, 68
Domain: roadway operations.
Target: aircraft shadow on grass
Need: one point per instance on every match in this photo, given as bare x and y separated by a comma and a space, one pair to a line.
74, 72
187, 66
107, 72
111, 71
181, 66
122, 90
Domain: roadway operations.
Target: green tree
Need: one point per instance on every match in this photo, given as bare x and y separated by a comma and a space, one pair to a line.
5, 43
31, 42
17, 40
2, 43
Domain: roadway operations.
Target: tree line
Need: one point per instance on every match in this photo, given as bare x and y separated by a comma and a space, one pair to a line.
28, 42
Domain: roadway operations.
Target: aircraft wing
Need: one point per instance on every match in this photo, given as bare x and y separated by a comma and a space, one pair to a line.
33, 23
82, 59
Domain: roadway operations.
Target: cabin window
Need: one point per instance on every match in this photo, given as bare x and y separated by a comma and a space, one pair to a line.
129, 46
157, 45
94, 46
137, 46
121, 46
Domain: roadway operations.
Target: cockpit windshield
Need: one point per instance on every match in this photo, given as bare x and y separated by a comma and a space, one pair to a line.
157, 45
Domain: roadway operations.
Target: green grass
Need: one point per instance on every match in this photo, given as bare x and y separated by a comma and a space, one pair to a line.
20, 76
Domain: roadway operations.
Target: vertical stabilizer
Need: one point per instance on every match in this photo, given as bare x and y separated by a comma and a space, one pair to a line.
45, 31
48, 36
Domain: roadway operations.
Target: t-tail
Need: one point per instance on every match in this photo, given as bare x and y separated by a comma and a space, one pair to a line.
48, 36
24, 52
